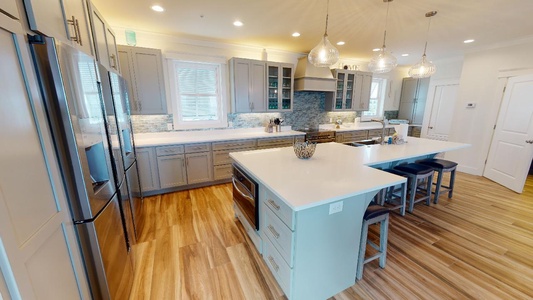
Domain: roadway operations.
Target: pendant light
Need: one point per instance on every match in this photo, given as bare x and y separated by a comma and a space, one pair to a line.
383, 61
424, 68
324, 54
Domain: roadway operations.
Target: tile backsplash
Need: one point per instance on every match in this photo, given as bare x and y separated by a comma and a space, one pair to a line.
308, 111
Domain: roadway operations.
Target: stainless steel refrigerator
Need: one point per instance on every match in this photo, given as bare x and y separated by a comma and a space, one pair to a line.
115, 94
68, 81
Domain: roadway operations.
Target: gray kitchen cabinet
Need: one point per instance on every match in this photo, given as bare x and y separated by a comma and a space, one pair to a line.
221, 160
275, 142
65, 20
248, 85
148, 171
413, 100
172, 171
9, 8
352, 92
104, 40
280, 86
363, 87
143, 69
199, 167
351, 136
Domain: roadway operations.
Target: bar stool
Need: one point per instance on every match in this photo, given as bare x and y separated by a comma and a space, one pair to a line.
374, 214
395, 195
441, 166
417, 173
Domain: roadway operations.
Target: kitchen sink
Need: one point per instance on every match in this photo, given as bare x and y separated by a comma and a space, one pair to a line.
363, 143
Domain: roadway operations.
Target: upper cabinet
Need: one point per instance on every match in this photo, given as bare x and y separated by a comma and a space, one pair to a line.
260, 86
65, 20
280, 86
9, 8
352, 93
143, 69
248, 85
413, 99
104, 40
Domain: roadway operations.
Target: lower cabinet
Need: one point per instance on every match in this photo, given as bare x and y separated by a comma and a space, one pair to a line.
199, 167
148, 171
172, 170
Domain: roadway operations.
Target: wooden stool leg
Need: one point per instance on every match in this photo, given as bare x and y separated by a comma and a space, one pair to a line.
437, 187
452, 181
362, 250
383, 237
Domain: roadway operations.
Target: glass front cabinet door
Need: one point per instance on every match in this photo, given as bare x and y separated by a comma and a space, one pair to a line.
350, 85
280, 83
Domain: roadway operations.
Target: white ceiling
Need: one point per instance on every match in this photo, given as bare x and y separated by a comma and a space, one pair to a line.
360, 23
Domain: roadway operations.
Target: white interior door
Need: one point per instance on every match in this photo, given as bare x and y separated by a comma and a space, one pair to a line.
511, 150
442, 99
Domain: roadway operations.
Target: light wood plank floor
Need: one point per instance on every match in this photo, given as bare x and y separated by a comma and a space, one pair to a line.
477, 246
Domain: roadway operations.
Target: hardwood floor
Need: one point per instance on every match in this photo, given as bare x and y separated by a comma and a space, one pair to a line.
477, 246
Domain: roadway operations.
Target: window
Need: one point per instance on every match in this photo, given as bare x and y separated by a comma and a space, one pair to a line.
198, 94
377, 95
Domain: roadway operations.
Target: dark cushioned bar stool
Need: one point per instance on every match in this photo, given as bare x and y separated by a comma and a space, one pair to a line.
395, 195
441, 166
374, 214
417, 176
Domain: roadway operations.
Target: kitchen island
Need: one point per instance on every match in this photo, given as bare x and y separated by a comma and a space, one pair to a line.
311, 211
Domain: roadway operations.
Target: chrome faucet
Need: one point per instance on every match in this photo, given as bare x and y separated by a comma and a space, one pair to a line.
382, 141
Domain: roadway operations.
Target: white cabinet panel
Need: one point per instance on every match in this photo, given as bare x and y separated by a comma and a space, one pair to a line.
78, 25
104, 40
36, 227
248, 85
112, 49
9, 7
413, 99
47, 17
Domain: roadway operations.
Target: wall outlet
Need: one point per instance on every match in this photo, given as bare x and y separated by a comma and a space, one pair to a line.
335, 207
169, 126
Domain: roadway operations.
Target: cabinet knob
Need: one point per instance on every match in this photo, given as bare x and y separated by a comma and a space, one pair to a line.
113, 61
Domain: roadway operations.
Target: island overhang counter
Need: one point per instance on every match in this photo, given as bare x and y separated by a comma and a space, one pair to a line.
310, 210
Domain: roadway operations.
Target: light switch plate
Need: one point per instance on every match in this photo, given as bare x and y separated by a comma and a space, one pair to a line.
169, 126
335, 207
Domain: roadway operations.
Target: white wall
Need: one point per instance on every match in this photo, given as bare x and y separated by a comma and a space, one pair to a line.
479, 84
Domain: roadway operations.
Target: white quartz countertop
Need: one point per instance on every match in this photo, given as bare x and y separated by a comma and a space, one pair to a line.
188, 137
335, 171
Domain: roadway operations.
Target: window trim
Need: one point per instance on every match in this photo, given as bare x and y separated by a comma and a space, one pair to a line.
172, 60
381, 101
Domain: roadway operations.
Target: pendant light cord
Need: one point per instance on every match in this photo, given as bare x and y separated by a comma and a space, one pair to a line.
386, 19
327, 17
428, 15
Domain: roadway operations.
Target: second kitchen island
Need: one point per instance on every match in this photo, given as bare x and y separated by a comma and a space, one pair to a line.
310, 211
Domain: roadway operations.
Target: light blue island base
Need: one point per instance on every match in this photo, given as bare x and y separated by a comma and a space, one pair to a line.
326, 248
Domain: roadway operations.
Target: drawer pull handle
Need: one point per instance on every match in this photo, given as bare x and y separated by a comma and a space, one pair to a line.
273, 263
273, 204
274, 232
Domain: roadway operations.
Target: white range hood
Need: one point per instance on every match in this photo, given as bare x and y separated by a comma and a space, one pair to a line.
307, 77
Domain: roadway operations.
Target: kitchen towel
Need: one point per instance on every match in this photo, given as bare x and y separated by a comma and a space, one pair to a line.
401, 130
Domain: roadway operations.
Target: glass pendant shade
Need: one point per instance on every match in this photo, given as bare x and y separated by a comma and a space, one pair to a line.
382, 62
324, 54
424, 68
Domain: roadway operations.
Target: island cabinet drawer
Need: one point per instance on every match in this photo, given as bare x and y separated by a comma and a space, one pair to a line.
280, 235
222, 157
223, 172
168, 150
229, 145
281, 271
280, 209
375, 133
276, 142
352, 136
192, 148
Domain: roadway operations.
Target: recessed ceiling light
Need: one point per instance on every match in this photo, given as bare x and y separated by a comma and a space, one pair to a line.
158, 8
376, 49
296, 34
238, 23
468, 41
340, 43
405, 54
